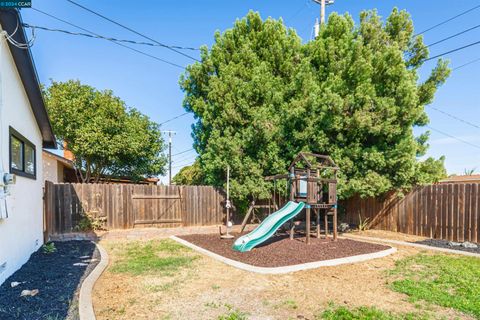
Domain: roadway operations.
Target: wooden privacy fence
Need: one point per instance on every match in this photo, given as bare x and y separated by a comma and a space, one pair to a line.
123, 206
441, 211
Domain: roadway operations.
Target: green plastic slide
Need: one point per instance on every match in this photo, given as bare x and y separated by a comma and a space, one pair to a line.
267, 228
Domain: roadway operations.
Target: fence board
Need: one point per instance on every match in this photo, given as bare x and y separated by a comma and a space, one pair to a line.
475, 212
443, 211
126, 206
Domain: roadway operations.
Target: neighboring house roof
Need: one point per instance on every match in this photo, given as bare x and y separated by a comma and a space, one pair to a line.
474, 178
10, 20
68, 163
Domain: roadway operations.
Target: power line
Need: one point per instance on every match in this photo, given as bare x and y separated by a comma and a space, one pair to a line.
455, 117
306, 4
183, 165
185, 157
453, 137
448, 20
454, 35
34, 27
174, 118
117, 43
452, 51
466, 64
132, 30
188, 159
185, 151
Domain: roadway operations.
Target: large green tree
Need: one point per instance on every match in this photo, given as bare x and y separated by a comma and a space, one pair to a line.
260, 96
106, 137
191, 175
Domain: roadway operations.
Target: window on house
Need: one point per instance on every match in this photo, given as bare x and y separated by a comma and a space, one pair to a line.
16, 151
22, 155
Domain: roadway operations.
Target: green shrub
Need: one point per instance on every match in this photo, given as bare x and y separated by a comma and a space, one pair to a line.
363, 224
49, 248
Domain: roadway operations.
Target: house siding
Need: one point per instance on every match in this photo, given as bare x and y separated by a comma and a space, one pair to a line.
22, 232
52, 169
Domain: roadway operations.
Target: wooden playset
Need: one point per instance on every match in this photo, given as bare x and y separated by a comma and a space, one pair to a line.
312, 180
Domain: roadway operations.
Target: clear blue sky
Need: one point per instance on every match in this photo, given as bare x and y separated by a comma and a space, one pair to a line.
152, 86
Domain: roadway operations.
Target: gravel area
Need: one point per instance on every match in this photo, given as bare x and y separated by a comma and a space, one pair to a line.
445, 244
57, 276
280, 251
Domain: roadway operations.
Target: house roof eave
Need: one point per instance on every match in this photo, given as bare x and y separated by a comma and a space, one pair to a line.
10, 20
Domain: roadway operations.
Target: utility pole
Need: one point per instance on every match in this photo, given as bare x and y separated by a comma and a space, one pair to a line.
323, 4
322, 12
170, 134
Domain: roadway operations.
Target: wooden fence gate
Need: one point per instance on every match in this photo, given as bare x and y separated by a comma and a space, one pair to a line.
124, 206
157, 205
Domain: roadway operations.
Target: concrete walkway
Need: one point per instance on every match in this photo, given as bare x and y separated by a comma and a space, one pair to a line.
85, 305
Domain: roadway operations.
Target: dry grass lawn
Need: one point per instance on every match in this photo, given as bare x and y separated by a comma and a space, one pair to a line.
199, 287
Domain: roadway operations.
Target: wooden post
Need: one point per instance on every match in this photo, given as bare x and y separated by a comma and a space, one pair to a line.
325, 217
307, 223
247, 215
334, 209
292, 184
318, 223
335, 223
308, 210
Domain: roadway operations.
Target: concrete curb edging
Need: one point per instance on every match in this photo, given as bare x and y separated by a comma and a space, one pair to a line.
287, 269
410, 244
85, 304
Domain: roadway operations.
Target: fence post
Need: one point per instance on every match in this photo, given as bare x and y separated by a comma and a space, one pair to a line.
48, 207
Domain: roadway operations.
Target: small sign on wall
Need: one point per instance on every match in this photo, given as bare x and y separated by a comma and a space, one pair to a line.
15, 4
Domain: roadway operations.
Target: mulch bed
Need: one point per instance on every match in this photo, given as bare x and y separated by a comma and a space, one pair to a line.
444, 244
280, 251
57, 279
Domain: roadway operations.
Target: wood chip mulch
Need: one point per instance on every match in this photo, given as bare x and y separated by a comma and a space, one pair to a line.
447, 245
57, 276
280, 251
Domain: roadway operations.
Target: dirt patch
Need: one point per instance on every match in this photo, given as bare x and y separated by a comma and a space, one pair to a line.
390, 235
211, 288
280, 251
58, 277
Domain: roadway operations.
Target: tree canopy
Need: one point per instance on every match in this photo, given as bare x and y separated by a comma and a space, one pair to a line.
191, 175
105, 136
260, 96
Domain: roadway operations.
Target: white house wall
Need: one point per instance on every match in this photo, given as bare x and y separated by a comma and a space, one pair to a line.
52, 170
21, 232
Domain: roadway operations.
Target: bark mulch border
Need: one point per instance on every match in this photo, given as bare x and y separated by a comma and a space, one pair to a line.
439, 243
287, 269
411, 244
58, 275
